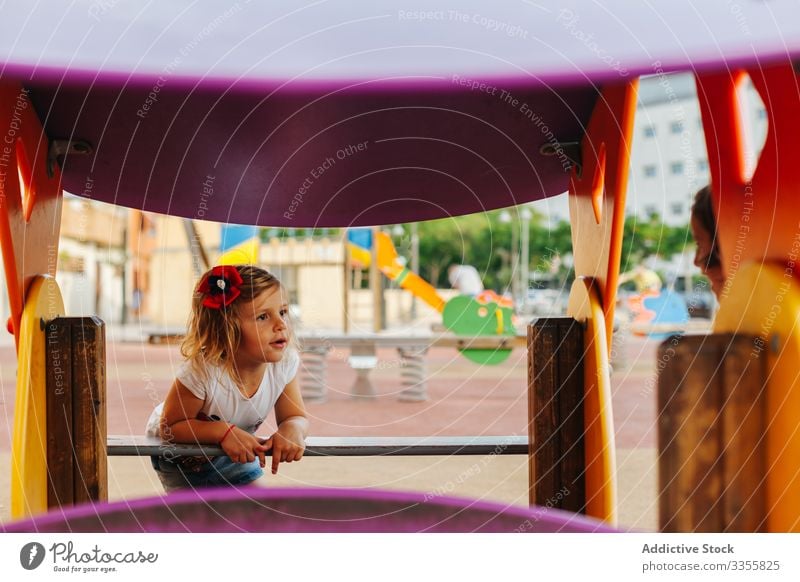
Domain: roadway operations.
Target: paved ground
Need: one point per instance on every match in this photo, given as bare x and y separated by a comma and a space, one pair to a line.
465, 399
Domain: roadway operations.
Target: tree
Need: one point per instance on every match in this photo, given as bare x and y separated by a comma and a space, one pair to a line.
643, 238
484, 241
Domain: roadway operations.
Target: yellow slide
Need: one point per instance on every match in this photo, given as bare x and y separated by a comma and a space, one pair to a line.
408, 280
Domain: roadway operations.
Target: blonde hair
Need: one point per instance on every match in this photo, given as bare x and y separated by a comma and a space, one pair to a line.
214, 335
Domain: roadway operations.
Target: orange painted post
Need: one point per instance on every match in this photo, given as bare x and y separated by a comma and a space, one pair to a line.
757, 216
597, 193
30, 215
30, 220
597, 215
759, 240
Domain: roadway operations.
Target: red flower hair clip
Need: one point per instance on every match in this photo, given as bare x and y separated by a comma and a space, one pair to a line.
220, 286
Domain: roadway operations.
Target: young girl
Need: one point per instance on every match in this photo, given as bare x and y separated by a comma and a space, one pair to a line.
704, 229
240, 363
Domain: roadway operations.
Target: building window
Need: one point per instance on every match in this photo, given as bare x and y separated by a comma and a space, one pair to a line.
762, 113
650, 171
676, 168
702, 165
650, 131
676, 127
651, 210
676, 208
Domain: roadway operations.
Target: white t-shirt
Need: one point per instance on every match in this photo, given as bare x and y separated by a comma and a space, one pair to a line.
224, 401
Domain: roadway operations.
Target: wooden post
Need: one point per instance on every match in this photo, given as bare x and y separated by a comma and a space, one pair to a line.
76, 411
59, 414
555, 414
711, 434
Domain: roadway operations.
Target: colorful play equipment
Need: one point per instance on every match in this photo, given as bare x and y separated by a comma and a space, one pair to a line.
346, 115
390, 265
239, 245
486, 314
657, 313
482, 315
652, 307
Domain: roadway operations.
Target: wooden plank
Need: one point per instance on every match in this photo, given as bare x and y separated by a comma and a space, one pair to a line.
688, 405
744, 436
763, 299
557, 461
570, 397
126, 445
89, 409
669, 425
711, 434
532, 438
544, 476
58, 338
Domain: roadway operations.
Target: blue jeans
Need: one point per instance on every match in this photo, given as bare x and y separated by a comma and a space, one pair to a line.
175, 474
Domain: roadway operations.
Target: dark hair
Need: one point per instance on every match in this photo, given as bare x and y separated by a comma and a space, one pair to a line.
703, 212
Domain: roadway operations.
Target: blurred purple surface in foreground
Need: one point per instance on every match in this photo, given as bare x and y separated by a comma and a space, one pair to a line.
251, 509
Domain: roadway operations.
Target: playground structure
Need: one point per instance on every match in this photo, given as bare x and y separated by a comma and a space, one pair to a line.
311, 266
396, 129
660, 311
485, 314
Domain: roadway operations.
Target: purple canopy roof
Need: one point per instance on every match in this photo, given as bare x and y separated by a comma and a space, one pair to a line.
253, 509
341, 113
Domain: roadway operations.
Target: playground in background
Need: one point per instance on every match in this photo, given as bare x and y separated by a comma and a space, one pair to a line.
486, 314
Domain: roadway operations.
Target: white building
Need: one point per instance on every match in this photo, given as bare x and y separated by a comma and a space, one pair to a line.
669, 162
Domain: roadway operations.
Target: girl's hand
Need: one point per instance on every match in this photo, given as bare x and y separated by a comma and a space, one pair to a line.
243, 447
288, 444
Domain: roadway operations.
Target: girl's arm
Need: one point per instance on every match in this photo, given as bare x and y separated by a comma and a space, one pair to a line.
179, 423
289, 442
